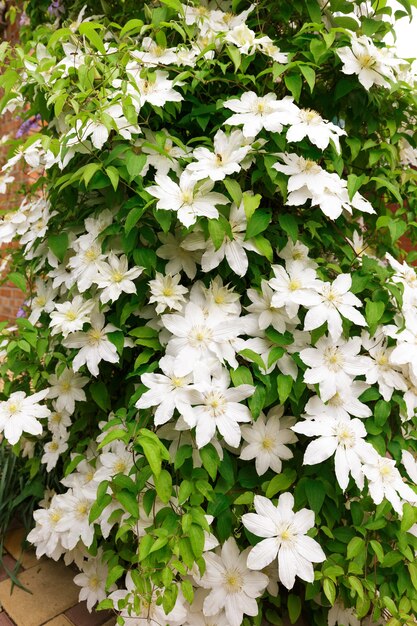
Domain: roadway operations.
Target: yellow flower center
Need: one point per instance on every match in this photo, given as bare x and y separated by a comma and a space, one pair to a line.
82, 509
366, 61
187, 197
120, 467
233, 581
94, 583
95, 335
346, 437
311, 116
55, 516
294, 284
117, 277
268, 443
91, 254
71, 315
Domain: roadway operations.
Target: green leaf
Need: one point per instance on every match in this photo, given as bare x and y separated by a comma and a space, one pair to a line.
412, 570
378, 550
374, 312
113, 175
196, 536
134, 163
310, 76
241, 376
152, 452
89, 30
114, 435
289, 224
356, 585
294, 607
250, 204
397, 228
89, 172
234, 190
100, 395
257, 400
384, 182
409, 517
355, 183
131, 26
185, 490
355, 547
281, 482
284, 384
329, 589
183, 453
133, 217
264, 247
316, 493
210, 460
175, 5
114, 574
98, 507
59, 245
294, 84
129, 502
218, 230
257, 224
235, 56
250, 355
163, 486
187, 590
19, 280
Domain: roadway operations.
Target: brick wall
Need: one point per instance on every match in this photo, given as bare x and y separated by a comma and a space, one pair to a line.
11, 297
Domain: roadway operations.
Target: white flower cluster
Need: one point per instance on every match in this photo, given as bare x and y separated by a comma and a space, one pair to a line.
207, 327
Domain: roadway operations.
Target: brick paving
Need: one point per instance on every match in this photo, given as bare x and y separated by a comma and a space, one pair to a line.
51, 597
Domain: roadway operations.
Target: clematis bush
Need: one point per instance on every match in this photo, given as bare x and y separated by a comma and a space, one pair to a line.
213, 380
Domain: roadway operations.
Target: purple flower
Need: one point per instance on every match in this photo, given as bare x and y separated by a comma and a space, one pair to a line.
24, 20
27, 126
55, 9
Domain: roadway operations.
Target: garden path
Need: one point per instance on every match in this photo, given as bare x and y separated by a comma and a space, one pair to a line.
53, 597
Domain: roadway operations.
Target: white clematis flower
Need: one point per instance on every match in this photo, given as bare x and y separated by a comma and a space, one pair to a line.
285, 537
295, 286
234, 250
20, 413
266, 440
229, 152
342, 437
67, 389
167, 391
197, 337
114, 277
71, 316
94, 345
334, 364
217, 406
166, 292
233, 587
335, 300
319, 131
188, 198
385, 481
256, 113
